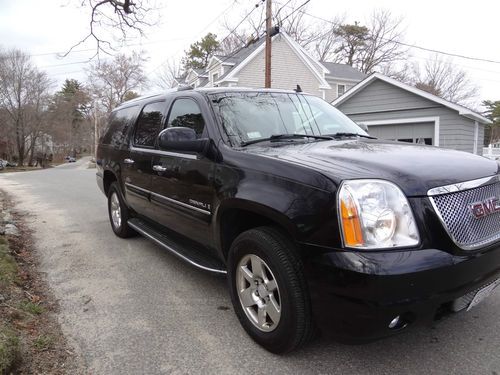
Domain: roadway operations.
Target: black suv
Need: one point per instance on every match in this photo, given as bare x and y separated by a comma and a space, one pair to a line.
316, 223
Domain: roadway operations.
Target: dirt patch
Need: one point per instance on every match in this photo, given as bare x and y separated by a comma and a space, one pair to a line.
31, 340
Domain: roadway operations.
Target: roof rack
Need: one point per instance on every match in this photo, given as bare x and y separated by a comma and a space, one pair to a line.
184, 87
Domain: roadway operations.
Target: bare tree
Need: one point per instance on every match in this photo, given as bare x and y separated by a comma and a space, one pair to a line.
323, 47
369, 48
442, 78
383, 44
109, 16
167, 75
23, 94
35, 114
401, 72
289, 17
111, 81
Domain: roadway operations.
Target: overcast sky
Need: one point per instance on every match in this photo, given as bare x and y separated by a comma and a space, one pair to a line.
44, 27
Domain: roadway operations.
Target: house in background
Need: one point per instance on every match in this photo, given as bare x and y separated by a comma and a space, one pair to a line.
391, 109
397, 111
291, 65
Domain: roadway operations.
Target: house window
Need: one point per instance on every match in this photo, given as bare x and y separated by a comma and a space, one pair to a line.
215, 76
340, 90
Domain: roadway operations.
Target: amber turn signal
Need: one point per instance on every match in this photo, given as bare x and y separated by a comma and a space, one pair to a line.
350, 222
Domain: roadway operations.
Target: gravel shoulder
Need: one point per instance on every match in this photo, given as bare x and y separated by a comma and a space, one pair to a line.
31, 340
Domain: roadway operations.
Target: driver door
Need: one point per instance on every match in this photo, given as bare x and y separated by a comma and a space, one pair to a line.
182, 188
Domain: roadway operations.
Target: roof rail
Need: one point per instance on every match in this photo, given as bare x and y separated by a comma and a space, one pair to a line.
184, 87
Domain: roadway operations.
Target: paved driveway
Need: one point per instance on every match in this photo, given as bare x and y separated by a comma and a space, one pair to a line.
127, 306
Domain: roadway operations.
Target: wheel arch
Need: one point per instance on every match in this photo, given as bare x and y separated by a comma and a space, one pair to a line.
238, 215
108, 178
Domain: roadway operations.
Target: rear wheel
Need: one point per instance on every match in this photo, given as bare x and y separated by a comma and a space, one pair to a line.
118, 213
268, 290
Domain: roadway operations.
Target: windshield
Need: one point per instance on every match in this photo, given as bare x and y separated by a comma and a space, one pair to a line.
250, 116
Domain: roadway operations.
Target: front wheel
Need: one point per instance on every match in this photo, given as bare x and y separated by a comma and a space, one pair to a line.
118, 213
268, 290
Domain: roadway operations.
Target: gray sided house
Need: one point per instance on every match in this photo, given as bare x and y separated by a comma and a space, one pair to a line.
291, 65
397, 111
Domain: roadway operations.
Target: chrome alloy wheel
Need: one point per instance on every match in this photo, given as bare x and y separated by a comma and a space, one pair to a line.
258, 293
116, 212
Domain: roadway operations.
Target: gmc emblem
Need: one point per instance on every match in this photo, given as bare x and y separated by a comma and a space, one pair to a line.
485, 208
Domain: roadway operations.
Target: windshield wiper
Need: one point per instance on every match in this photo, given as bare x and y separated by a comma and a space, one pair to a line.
279, 137
340, 135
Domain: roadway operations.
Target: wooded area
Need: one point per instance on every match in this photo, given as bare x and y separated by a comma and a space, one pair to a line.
38, 127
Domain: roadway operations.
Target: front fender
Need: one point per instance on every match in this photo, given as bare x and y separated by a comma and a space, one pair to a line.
307, 213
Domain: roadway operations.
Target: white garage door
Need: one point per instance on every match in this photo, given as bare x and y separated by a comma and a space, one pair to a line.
414, 133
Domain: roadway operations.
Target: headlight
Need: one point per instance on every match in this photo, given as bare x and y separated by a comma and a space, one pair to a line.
375, 214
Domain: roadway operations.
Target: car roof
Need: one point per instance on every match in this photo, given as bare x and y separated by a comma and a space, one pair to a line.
203, 90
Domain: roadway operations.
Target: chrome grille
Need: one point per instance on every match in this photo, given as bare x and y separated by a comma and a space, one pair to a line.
467, 231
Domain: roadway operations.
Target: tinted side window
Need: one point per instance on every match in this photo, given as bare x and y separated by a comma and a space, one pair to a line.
149, 124
118, 124
187, 113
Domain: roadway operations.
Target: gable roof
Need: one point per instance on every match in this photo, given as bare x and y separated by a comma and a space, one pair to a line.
463, 111
244, 56
239, 56
343, 71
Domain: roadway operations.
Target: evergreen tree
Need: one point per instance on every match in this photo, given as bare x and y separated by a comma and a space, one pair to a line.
198, 53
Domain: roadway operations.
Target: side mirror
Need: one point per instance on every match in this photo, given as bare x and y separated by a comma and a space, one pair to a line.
184, 139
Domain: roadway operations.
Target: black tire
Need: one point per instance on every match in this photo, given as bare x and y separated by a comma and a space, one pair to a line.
122, 230
295, 326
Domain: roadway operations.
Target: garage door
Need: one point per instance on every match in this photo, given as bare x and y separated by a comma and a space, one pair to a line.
413, 133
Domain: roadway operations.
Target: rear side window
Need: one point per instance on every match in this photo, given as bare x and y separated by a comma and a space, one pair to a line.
149, 124
118, 124
187, 113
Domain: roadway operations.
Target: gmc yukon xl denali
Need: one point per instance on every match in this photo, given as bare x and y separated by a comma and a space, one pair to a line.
317, 224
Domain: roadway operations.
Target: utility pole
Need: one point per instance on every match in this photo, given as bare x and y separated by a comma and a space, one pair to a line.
267, 80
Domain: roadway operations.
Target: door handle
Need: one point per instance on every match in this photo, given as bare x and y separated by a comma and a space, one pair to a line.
128, 161
159, 168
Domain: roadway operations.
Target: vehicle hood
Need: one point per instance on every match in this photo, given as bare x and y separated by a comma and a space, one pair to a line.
414, 168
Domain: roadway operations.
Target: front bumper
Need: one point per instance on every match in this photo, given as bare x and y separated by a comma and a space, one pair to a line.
356, 295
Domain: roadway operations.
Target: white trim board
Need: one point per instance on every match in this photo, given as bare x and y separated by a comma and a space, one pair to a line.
463, 111
400, 121
476, 137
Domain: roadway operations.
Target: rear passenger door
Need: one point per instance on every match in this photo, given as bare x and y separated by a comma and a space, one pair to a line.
137, 167
182, 184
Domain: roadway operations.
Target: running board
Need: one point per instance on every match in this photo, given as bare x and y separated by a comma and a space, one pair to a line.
195, 257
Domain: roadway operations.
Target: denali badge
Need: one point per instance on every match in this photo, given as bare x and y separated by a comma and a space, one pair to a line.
487, 207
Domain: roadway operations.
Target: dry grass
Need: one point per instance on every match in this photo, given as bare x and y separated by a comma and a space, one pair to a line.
9, 349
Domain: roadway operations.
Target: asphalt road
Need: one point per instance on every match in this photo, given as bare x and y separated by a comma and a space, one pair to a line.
129, 307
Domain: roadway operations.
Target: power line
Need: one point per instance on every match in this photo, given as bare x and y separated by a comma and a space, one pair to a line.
243, 20
279, 10
93, 49
406, 44
448, 53
247, 45
296, 10
202, 30
66, 73
64, 64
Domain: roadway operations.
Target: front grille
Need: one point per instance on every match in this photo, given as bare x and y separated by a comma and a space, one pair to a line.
467, 231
